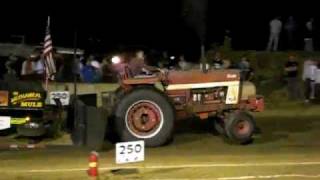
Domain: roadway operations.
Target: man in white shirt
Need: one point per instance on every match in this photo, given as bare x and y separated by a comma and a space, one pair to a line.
317, 83
308, 40
39, 66
27, 67
309, 77
275, 30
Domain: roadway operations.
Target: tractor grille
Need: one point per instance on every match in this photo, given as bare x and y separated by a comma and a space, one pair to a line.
209, 95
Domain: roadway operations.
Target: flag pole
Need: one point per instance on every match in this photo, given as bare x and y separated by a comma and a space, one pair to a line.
48, 21
46, 65
75, 64
76, 121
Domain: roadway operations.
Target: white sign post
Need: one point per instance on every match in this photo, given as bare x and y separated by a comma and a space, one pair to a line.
128, 152
4, 122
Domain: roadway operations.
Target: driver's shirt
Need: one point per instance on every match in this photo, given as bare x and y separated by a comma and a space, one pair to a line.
136, 65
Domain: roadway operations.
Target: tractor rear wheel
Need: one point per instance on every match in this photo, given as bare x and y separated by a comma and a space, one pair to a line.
145, 114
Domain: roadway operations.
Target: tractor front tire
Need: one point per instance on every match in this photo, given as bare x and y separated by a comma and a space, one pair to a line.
240, 127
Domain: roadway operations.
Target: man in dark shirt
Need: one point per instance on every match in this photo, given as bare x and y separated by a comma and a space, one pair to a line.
291, 70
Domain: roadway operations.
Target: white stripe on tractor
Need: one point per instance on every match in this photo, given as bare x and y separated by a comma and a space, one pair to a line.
202, 85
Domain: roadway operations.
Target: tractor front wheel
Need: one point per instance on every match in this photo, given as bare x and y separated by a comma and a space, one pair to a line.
240, 127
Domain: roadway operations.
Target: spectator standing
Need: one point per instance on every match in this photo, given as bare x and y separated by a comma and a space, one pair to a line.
308, 40
275, 30
90, 73
317, 82
39, 65
290, 28
309, 77
11, 74
27, 67
67, 71
291, 70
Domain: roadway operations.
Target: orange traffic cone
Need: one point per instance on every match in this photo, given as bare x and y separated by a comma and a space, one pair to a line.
93, 165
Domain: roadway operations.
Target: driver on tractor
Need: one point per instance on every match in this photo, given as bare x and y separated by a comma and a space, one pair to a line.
133, 66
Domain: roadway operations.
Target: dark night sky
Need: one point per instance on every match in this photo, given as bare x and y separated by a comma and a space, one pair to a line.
154, 23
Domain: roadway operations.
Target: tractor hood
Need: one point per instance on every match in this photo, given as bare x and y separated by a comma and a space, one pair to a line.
178, 80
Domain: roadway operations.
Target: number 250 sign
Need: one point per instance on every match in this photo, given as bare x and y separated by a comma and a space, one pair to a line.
128, 152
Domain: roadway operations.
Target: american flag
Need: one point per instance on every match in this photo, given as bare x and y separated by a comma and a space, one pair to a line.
50, 67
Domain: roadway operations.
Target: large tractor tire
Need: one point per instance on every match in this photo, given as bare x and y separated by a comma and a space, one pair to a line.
145, 114
240, 127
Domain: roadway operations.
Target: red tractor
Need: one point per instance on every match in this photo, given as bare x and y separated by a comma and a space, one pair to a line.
146, 106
